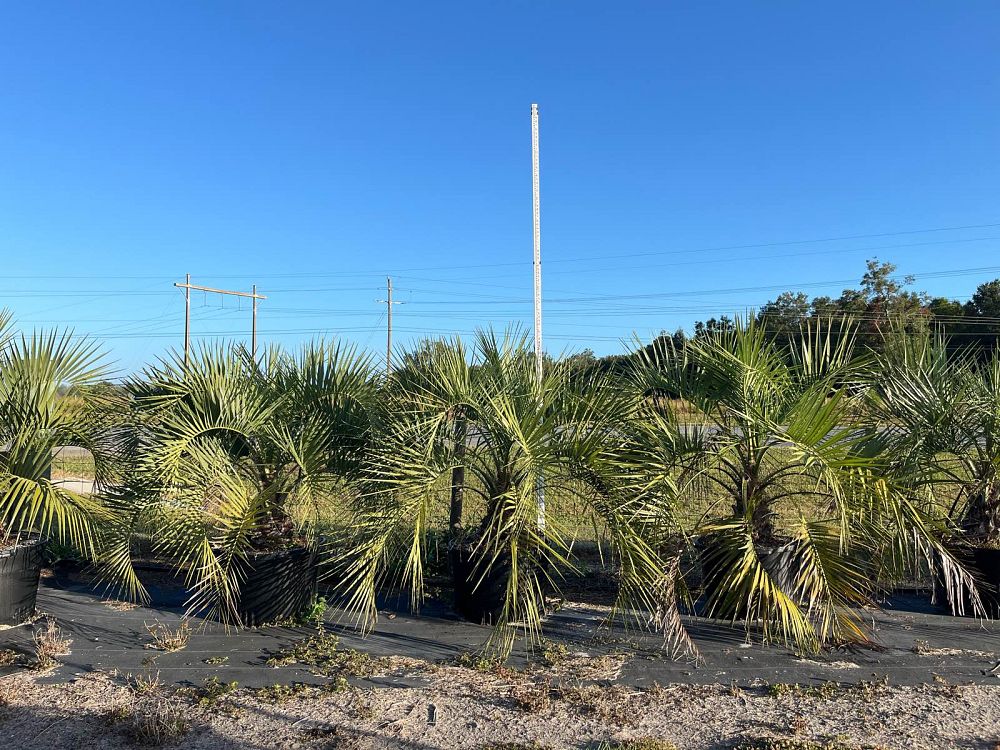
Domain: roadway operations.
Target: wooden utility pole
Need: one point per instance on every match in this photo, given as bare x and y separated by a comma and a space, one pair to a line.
187, 316
187, 286
253, 325
388, 329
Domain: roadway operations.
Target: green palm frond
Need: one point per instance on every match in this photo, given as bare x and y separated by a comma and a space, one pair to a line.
798, 527
37, 374
229, 456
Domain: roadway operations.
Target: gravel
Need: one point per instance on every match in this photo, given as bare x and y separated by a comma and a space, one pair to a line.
475, 709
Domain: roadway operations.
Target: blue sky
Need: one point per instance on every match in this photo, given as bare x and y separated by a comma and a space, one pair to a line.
314, 148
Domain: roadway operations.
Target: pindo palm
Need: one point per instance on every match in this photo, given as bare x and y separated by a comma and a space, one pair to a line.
796, 523
940, 411
233, 459
486, 414
45, 403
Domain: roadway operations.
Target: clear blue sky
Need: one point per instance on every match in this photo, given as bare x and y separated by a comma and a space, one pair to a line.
313, 148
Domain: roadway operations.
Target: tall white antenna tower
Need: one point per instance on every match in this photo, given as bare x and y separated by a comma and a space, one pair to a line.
537, 241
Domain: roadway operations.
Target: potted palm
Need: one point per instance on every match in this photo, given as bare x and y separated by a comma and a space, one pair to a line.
45, 404
237, 465
939, 413
797, 528
511, 437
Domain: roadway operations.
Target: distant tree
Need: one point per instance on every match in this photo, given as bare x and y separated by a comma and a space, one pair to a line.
882, 305
712, 326
786, 313
982, 319
665, 345
985, 302
878, 284
582, 361
942, 307
885, 308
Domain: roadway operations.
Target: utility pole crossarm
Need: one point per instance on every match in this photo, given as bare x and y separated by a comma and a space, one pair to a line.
187, 286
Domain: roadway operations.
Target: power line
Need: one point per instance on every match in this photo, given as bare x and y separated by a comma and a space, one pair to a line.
381, 272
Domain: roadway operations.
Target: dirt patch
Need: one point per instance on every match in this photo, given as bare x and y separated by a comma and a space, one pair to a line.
467, 709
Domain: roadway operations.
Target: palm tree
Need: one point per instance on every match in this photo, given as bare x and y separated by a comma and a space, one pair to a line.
46, 403
230, 460
940, 419
797, 526
486, 414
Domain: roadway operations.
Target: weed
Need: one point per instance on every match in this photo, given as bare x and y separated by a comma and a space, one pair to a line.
156, 720
825, 691
313, 649
608, 703
364, 709
553, 653
786, 743
314, 613
656, 690
278, 693
533, 698
149, 717
321, 652
50, 643
216, 660
146, 684
481, 663
211, 691
870, 690
165, 639
339, 685
920, 646
943, 687
9, 657
119, 713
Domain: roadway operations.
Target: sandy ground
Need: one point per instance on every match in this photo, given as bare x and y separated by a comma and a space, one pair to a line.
476, 709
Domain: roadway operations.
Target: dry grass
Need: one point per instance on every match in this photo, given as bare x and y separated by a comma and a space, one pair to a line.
788, 743
149, 716
9, 657
611, 703
167, 639
155, 720
50, 643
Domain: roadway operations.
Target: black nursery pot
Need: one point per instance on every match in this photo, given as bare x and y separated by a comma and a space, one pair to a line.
479, 598
20, 567
984, 564
278, 586
986, 561
780, 561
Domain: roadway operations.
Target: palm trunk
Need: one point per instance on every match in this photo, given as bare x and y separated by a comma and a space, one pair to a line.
458, 483
481, 581
981, 521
